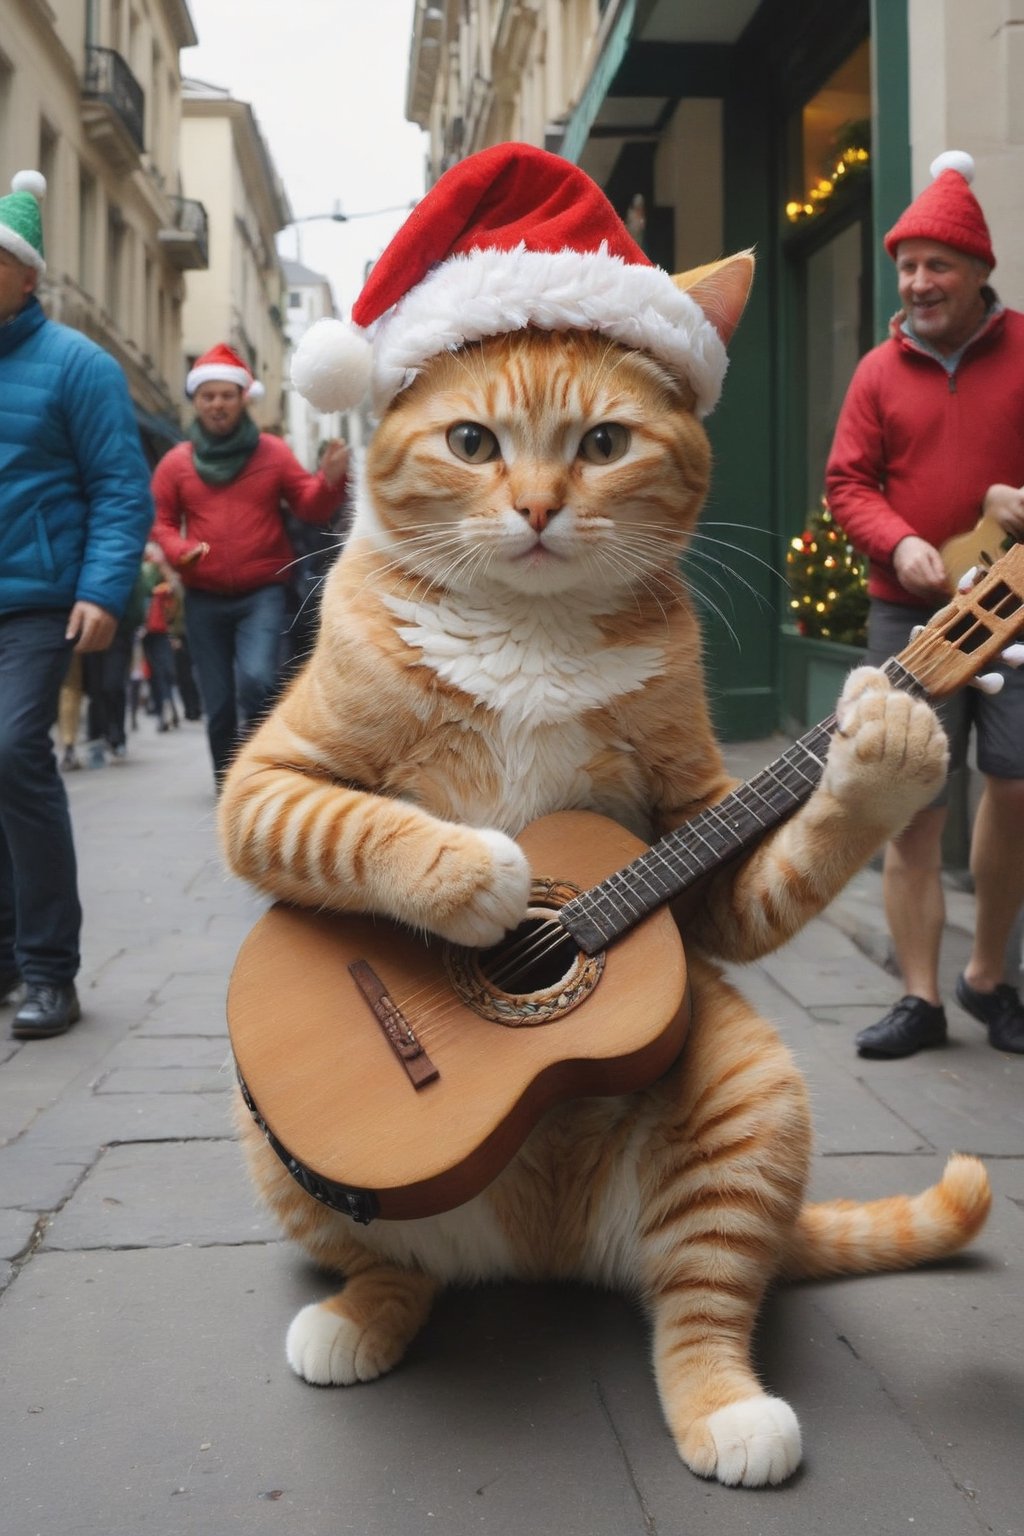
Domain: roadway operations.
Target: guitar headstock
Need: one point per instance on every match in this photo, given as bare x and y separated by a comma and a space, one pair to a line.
971, 631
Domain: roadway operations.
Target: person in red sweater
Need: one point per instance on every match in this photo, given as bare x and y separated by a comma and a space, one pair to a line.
930, 437
219, 521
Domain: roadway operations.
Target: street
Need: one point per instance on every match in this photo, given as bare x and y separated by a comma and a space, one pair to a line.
146, 1296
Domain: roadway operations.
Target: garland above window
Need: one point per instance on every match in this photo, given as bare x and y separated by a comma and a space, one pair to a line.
852, 159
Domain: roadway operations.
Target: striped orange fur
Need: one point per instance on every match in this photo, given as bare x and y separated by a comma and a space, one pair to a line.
506, 634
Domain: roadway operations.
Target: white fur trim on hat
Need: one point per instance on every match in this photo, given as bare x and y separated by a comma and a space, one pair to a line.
219, 373
331, 366
492, 292
953, 160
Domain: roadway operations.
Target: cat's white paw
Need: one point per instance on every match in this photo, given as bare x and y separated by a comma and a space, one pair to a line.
497, 905
321, 1347
889, 756
752, 1442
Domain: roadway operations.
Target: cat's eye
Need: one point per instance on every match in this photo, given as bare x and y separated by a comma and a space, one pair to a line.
472, 443
605, 443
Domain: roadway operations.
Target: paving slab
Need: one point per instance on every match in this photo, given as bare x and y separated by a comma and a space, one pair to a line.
159, 1194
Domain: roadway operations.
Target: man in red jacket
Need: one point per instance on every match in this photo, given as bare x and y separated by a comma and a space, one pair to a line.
219, 522
930, 437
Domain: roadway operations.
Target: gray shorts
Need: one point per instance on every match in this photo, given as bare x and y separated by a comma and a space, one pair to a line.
996, 719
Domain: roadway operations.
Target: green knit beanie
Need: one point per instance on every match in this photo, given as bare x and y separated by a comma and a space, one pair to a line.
21, 227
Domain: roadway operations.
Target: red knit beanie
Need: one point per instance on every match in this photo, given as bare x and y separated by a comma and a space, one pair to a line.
947, 211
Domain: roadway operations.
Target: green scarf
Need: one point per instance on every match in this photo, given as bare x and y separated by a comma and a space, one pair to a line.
219, 459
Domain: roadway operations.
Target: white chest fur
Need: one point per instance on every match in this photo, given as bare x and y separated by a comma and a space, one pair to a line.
541, 669
530, 662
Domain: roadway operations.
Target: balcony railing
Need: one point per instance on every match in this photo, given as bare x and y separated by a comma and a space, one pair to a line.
116, 99
186, 238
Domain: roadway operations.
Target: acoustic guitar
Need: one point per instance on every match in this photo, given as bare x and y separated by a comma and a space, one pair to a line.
396, 1075
981, 546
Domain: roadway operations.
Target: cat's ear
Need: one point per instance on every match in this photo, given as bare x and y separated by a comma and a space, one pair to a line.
721, 289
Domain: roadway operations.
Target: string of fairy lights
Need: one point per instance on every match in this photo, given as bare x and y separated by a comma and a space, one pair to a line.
853, 159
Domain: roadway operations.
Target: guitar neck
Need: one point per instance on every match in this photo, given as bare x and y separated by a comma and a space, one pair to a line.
680, 859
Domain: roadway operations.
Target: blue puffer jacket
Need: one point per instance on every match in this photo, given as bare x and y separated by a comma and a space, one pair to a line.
75, 505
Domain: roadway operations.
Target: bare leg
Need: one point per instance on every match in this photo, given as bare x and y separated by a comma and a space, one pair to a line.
915, 905
997, 864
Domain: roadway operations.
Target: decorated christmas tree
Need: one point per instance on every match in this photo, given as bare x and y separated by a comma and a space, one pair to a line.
827, 582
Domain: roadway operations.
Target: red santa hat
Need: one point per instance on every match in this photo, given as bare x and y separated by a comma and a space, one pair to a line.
508, 238
947, 210
222, 365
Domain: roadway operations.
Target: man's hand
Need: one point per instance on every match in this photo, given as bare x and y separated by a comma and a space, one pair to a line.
1005, 504
334, 464
919, 569
91, 626
193, 555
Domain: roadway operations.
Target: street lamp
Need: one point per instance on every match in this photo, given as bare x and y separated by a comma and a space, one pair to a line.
337, 217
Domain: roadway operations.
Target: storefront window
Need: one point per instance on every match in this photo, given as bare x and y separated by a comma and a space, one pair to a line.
830, 140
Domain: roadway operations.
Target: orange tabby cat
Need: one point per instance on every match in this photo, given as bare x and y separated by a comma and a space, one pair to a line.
507, 634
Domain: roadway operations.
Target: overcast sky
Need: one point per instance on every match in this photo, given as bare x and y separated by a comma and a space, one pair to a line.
326, 80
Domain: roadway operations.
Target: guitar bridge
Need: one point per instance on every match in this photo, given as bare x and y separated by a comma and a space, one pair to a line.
397, 1030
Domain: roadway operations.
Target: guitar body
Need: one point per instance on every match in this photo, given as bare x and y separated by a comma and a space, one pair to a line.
983, 545
376, 1125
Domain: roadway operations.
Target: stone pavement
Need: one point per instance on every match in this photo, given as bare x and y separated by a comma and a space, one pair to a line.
143, 1386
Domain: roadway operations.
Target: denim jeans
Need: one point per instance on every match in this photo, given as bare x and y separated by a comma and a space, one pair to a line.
235, 644
40, 915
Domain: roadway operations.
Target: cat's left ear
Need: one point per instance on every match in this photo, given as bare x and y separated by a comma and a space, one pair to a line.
721, 289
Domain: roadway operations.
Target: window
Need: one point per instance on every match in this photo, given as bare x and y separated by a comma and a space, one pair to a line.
86, 232
830, 140
827, 233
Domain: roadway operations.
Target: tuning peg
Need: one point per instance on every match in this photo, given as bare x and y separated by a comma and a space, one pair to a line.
1013, 656
968, 578
988, 682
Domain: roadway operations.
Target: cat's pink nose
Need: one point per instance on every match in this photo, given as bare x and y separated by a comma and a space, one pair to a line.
538, 511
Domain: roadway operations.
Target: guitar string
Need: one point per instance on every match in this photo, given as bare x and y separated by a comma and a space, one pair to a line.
538, 945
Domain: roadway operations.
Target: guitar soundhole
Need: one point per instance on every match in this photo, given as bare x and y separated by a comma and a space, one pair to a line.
535, 975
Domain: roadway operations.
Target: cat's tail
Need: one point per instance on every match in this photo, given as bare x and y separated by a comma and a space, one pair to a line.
850, 1237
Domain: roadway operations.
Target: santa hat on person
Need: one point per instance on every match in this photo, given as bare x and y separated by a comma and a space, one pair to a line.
508, 238
21, 224
947, 210
222, 365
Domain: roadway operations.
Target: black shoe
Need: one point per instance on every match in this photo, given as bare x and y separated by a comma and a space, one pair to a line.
1001, 1011
49, 1008
10, 981
909, 1027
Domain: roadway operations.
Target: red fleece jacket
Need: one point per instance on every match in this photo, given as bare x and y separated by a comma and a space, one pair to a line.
916, 449
241, 521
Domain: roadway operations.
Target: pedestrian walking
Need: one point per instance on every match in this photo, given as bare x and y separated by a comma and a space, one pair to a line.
76, 513
219, 521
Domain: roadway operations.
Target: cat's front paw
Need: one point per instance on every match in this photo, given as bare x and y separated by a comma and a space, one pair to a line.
499, 899
752, 1442
329, 1349
889, 756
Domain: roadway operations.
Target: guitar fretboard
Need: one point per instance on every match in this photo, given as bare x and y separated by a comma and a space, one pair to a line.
717, 835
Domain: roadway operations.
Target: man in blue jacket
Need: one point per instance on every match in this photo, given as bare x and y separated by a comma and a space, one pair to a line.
75, 510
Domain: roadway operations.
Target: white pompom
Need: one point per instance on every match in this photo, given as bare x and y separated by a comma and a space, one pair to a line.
953, 160
255, 392
29, 181
332, 365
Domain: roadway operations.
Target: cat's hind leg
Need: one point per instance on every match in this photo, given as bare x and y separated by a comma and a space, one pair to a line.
362, 1331
725, 1186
